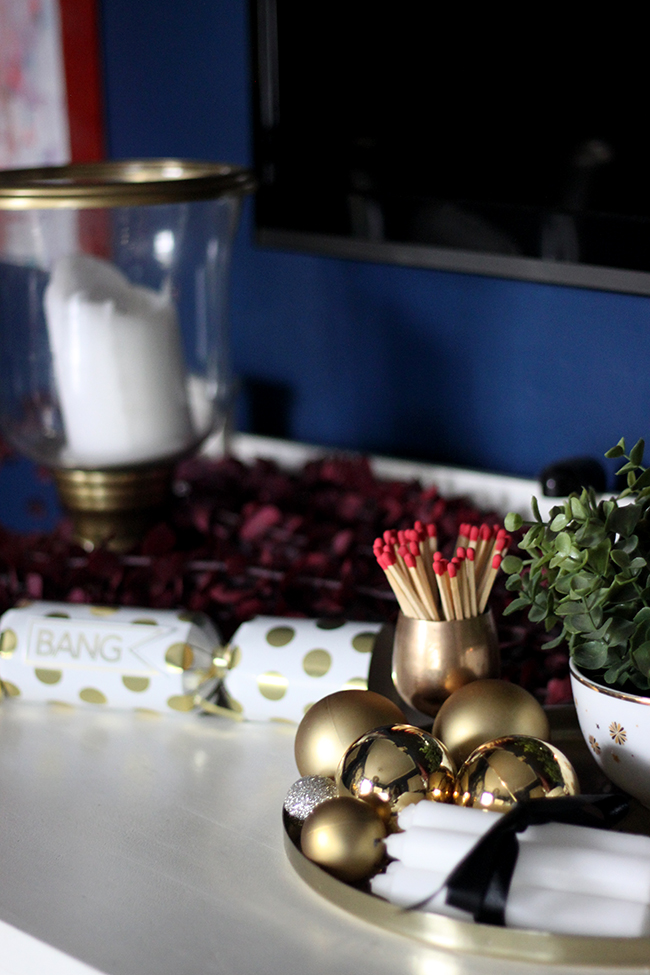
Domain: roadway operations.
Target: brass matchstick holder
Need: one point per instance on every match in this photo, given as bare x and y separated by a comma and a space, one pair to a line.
432, 659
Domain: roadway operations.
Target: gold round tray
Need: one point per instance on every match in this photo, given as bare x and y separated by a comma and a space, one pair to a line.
466, 937
469, 938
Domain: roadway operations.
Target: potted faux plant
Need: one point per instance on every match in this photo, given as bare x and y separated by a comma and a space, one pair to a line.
588, 574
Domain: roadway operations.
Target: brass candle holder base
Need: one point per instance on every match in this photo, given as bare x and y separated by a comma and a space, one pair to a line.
114, 507
431, 660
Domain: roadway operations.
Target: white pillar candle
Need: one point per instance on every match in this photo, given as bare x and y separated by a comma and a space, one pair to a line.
440, 816
118, 365
556, 867
531, 907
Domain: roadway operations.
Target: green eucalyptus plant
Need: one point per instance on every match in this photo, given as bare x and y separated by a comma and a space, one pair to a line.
588, 572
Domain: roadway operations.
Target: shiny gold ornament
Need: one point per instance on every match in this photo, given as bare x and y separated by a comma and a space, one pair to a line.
397, 766
484, 710
511, 769
333, 723
346, 837
301, 800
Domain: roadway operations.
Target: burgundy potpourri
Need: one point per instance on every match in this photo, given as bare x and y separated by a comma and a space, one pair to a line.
240, 540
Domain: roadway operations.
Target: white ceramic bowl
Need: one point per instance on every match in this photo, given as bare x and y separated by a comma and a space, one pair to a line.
616, 727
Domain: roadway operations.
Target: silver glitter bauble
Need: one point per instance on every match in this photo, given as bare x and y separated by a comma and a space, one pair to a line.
302, 798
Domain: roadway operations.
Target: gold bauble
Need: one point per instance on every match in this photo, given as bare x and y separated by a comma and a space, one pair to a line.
333, 723
397, 766
484, 710
511, 769
346, 837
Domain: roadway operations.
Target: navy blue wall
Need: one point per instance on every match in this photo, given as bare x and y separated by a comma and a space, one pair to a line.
483, 372
490, 373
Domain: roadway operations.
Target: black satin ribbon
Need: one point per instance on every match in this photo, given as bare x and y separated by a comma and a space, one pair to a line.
481, 881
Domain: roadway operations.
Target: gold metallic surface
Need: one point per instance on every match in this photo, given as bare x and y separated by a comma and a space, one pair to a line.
333, 723
345, 837
135, 684
8, 643
431, 660
181, 702
484, 710
92, 695
48, 676
114, 507
179, 656
136, 182
466, 937
397, 766
512, 768
316, 663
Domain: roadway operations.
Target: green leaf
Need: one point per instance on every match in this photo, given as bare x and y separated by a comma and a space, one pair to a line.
620, 631
514, 583
643, 480
570, 607
515, 605
552, 644
643, 683
578, 509
559, 522
621, 559
592, 655
623, 520
512, 564
641, 658
643, 616
636, 454
533, 538
628, 544
618, 450
598, 557
616, 672
535, 508
564, 544
513, 521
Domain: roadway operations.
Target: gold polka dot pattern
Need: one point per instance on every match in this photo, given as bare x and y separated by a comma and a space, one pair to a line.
272, 685
279, 636
47, 676
92, 695
181, 702
316, 663
364, 642
8, 643
136, 684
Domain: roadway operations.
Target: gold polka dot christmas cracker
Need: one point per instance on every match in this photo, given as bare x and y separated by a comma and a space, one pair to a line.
173, 661
280, 667
153, 660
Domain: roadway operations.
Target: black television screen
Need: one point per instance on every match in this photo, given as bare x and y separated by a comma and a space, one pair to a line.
479, 142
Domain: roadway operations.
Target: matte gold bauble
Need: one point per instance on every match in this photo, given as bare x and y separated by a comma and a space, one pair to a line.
346, 837
484, 710
511, 769
397, 766
333, 723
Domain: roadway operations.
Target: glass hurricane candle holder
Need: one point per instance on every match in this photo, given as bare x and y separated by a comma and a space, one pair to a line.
113, 334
